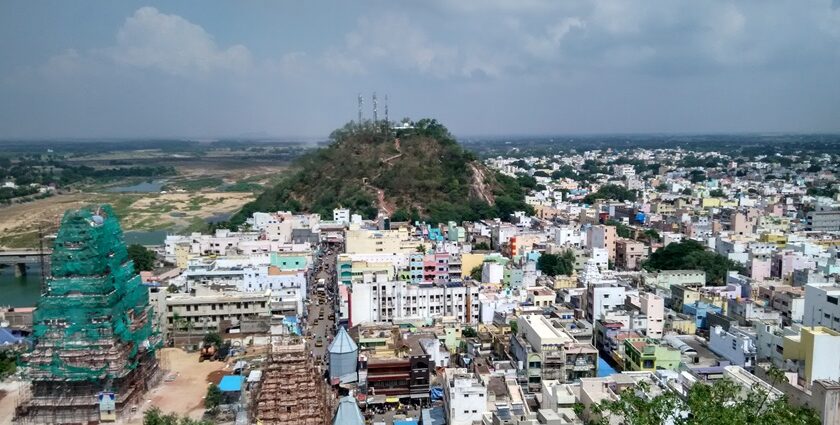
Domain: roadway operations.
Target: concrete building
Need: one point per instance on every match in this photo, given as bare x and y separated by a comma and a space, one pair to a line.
380, 300
341, 215
601, 236
738, 345
465, 397
821, 306
823, 219
206, 309
544, 350
643, 354
602, 298
629, 254
362, 241
653, 306
813, 354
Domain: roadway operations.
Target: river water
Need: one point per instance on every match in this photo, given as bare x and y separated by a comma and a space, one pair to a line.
20, 291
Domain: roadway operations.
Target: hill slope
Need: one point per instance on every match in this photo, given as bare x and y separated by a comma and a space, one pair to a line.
418, 173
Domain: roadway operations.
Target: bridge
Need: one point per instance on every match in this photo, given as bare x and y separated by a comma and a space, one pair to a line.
21, 258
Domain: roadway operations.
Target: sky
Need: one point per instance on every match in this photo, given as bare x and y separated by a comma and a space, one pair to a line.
211, 69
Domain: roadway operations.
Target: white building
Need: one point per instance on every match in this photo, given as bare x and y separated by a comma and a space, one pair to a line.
492, 272
378, 300
465, 397
736, 345
821, 306
341, 215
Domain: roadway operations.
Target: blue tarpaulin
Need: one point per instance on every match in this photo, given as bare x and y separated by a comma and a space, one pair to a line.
604, 369
231, 383
436, 393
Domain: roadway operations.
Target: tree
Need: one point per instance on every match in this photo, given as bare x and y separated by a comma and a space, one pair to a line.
213, 339
8, 363
721, 403
469, 332
557, 264
716, 193
514, 327
143, 258
481, 246
214, 397
688, 255
154, 416
611, 192
475, 273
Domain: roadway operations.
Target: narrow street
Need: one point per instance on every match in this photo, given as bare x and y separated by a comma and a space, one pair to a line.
320, 310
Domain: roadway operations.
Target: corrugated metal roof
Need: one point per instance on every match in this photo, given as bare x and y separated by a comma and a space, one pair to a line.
348, 413
342, 343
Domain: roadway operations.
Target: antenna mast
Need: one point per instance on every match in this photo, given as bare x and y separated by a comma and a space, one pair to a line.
386, 109
374, 107
361, 102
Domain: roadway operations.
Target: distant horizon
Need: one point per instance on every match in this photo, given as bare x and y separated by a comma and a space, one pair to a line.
212, 139
288, 70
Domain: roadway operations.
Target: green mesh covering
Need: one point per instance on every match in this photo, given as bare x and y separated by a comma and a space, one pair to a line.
94, 306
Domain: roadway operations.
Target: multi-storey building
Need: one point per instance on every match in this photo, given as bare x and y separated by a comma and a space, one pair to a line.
381, 300
464, 397
545, 350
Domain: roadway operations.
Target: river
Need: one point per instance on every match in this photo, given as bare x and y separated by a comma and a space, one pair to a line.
20, 291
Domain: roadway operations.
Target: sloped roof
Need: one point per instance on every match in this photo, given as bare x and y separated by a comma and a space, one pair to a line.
348, 413
342, 343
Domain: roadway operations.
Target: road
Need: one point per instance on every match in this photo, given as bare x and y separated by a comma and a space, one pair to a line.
321, 306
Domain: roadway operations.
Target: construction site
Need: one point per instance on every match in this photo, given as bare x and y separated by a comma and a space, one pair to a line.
292, 389
93, 356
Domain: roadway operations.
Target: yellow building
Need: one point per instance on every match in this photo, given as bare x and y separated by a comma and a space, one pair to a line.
681, 323
774, 238
469, 262
815, 351
182, 256
362, 241
711, 202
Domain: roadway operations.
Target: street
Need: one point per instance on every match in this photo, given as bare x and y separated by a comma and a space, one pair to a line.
320, 326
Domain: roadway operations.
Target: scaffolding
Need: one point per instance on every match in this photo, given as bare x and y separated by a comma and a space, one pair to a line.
92, 327
292, 389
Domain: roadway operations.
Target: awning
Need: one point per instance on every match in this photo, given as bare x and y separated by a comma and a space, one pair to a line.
377, 399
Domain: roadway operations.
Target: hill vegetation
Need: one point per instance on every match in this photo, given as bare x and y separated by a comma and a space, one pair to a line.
419, 172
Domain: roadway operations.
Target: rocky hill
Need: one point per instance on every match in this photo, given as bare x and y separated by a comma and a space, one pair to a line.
407, 174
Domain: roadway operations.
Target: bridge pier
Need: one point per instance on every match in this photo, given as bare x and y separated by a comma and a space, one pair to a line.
20, 269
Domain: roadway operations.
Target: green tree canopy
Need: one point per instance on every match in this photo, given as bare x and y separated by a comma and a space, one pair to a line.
691, 255
720, 403
557, 264
144, 259
611, 192
214, 397
475, 273
154, 416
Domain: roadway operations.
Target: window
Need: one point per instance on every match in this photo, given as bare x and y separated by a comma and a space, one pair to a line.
832, 300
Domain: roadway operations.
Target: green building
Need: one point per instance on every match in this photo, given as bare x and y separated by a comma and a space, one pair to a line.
643, 354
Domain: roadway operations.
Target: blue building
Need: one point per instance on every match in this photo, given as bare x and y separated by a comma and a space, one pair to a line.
699, 310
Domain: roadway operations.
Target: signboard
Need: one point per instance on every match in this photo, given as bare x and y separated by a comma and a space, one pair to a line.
107, 407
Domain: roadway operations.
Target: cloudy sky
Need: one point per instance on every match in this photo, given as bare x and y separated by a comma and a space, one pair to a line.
483, 67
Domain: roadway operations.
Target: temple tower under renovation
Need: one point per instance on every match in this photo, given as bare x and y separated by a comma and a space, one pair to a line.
94, 347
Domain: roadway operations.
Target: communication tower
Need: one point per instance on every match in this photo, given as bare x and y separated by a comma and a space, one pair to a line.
374, 107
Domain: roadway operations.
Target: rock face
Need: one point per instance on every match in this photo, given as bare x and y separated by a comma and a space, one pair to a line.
419, 172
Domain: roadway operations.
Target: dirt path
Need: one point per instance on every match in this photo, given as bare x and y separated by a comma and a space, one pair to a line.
185, 393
